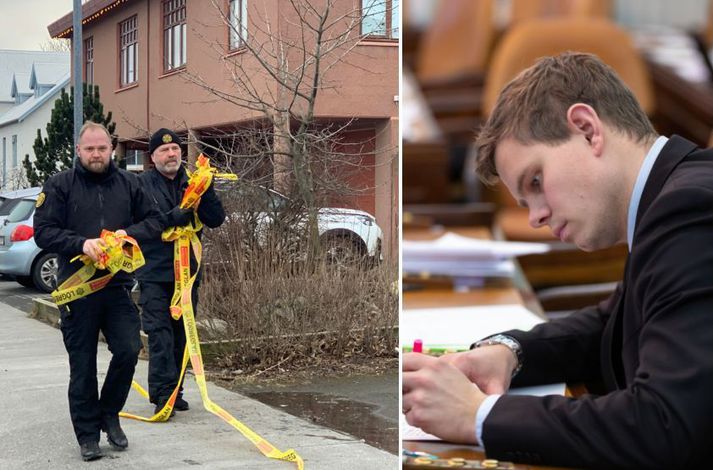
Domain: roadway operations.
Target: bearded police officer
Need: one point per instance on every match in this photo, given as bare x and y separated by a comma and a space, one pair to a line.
165, 185
73, 208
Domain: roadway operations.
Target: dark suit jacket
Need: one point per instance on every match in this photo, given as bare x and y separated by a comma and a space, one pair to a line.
650, 344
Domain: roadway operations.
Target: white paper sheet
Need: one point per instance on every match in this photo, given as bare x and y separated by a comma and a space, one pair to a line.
454, 246
463, 325
456, 255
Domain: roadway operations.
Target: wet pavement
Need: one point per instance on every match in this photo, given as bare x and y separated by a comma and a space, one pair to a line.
15, 295
365, 407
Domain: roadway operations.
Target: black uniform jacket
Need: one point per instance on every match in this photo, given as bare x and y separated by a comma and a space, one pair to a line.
650, 344
159, 254
78, 204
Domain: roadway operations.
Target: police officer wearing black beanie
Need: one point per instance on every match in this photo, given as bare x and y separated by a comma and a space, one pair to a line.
165, 185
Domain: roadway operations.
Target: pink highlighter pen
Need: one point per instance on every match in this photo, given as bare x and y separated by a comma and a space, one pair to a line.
418, 346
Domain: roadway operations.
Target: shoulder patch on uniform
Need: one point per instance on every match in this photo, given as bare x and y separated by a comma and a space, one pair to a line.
40, 200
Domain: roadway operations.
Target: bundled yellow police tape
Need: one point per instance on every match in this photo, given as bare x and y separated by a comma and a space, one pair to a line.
119, 253
186, 239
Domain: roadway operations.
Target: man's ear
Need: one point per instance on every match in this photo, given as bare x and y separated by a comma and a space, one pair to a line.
583, 120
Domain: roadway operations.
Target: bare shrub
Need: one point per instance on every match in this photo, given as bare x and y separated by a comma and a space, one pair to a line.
278, 308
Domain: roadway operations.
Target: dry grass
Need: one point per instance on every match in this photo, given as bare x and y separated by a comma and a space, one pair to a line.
280, 312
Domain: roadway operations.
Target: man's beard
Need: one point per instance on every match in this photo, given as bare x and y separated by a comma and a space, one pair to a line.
97, 166
169, 170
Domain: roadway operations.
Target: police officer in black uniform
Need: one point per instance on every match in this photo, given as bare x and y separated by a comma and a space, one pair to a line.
73, 208
165, 185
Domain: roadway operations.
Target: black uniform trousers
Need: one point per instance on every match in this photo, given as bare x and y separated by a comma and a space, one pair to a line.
112, 312
167, 337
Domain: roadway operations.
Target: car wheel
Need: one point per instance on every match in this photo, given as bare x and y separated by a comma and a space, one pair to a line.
342, 252
44, 272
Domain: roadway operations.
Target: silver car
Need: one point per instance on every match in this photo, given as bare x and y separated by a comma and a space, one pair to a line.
20, 257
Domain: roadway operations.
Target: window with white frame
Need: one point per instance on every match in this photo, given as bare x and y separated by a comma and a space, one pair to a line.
89, 60
174, 34
380, 18
238, 23
129, 51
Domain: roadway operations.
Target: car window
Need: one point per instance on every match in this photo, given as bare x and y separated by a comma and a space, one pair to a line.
7, 205
22, 211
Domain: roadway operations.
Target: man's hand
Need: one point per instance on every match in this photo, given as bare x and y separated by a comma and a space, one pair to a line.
180, 217
489, 367
439, 399
92, 248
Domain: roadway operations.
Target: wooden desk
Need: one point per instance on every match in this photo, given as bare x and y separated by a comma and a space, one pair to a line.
502, 292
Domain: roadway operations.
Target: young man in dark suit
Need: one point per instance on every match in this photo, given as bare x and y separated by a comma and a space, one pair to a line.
571, 143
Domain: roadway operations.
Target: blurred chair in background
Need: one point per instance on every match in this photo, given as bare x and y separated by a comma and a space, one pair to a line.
521, 10
457, 44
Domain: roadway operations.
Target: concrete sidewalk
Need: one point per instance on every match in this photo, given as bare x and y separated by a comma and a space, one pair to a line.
36, 432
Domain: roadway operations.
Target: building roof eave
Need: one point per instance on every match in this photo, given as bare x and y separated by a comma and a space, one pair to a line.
92, 10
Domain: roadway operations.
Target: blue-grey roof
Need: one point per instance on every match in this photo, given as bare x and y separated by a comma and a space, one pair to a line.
21, 111
12, 62
21, 84
46, 73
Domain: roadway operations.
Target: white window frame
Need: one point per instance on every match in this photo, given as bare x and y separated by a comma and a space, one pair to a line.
238, 23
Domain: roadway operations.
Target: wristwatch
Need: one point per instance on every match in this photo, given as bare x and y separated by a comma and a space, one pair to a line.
505, 340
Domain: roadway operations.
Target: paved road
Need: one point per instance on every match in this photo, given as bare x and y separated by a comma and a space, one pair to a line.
36, 432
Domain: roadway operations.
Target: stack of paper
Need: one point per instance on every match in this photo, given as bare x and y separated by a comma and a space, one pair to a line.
459, 256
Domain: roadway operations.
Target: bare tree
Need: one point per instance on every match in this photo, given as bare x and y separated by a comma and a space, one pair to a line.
56, 45
16, 179
314, 36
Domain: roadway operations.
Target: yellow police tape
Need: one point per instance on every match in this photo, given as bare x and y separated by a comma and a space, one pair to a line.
119, 253
200, 180
184, 240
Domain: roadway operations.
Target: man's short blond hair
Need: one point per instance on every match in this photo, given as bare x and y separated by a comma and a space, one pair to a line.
93, 125
532, 108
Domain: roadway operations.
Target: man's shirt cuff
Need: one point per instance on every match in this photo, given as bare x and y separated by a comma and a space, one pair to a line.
482, 414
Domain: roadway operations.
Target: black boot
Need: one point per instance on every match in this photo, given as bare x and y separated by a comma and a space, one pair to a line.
161, 402
181, 404
114, 434
90, 451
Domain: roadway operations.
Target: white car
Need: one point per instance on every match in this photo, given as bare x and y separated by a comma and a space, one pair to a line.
345, 234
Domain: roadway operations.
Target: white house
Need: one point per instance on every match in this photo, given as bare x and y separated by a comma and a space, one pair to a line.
30, 82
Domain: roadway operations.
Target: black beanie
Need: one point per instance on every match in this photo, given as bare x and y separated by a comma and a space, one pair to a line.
163, 136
